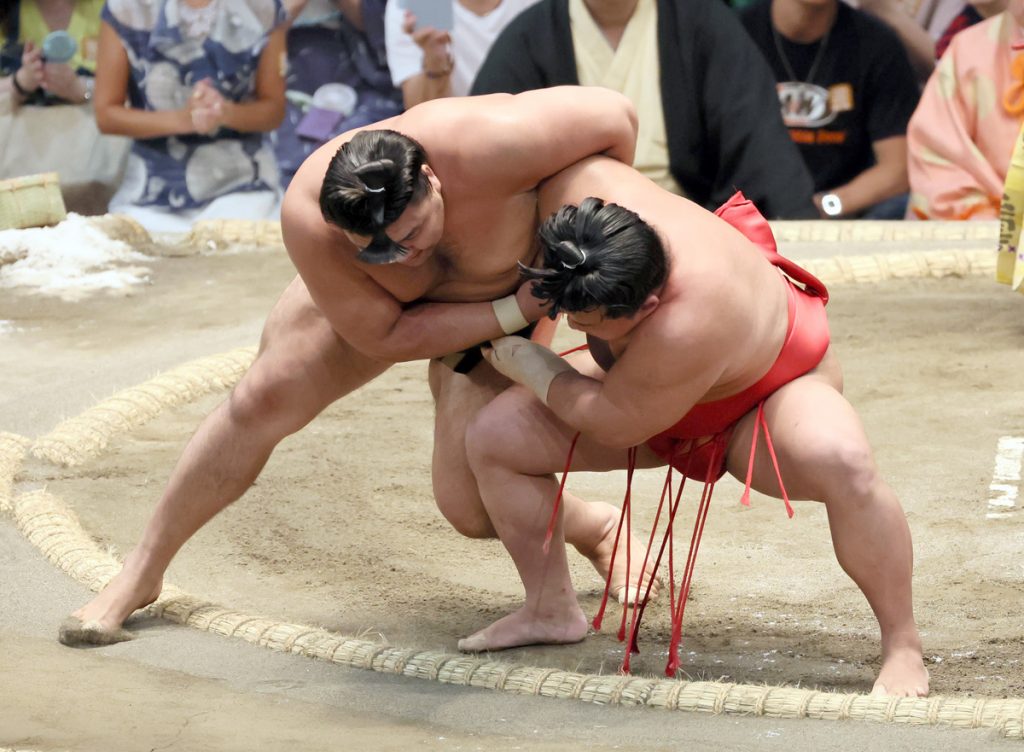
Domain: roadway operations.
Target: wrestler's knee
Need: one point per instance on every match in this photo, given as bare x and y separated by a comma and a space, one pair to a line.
267, 396
848, 471
469, 522
487, 434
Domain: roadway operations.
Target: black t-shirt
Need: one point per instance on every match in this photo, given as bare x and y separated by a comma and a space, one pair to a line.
840, 94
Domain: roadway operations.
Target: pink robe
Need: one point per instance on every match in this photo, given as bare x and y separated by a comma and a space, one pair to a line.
961, 136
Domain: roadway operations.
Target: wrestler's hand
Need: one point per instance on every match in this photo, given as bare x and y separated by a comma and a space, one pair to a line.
532, 365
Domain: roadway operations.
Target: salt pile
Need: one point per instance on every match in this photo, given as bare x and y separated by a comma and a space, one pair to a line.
68, 261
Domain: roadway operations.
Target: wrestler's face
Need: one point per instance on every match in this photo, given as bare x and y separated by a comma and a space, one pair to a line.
595, 323
418, 229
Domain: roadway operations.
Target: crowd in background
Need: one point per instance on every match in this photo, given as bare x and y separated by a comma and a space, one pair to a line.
177, 110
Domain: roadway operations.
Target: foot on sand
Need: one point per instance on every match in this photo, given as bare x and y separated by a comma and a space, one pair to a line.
75, 632
902, 675
601, 557
99, 621
524, 627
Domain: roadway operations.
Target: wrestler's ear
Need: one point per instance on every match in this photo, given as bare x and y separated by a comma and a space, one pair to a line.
647, 307
435, 181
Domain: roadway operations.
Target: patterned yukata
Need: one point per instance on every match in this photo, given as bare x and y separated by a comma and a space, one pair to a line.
183, 175
961, 136
324, 48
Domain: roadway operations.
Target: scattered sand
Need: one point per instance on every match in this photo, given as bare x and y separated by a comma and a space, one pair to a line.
341, 530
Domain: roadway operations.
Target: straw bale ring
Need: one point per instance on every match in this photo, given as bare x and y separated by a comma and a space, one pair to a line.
235, 234
48, 523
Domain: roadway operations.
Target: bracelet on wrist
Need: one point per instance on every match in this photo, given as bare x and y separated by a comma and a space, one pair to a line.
18, 87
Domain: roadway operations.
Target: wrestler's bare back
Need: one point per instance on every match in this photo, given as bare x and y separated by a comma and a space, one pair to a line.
707, 324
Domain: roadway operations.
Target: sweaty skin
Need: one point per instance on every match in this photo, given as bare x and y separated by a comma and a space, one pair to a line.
714, 328
342, 322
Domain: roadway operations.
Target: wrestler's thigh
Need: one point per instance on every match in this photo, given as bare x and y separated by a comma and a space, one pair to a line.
299, 346
530, 439
818, 439
457, 398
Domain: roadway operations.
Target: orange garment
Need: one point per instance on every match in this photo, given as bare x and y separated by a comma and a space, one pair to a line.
962, 133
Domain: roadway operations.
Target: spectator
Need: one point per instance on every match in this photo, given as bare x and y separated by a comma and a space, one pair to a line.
428, 63
709, 121
334, 48
962, 134
204, 85
847, 91
925, 26
42, 95
918, 24
971, 13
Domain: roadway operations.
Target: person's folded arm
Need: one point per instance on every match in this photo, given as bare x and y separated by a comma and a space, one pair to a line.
885, 179
266, 110
113, 115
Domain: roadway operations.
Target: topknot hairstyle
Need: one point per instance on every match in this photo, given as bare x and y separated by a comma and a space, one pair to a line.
598, 255
369, 183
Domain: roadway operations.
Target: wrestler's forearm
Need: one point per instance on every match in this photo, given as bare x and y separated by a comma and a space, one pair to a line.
430, 330
577, 400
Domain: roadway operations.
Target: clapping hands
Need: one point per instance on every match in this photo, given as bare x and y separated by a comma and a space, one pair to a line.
206, 107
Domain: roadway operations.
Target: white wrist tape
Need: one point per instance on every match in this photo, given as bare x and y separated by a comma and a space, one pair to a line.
510, 317
539, 375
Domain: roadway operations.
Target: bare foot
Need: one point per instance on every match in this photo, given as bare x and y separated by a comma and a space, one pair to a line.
601, 557
526, 627
903, 675
99, 621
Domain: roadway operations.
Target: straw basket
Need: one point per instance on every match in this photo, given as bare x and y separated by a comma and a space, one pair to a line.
31, 201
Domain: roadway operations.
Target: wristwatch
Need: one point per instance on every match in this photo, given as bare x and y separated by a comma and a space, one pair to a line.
831, 205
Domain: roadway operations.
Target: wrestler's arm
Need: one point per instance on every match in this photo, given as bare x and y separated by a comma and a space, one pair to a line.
520, 139
649, 388
365, 314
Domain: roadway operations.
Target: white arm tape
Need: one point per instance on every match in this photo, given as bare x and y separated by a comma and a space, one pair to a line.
510, 317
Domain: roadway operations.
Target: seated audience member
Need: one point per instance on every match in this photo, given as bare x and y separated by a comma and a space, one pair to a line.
918, 23
971, 13
47, 63
428, 63
963, 131
335, 52
846, 90
709, 121
197, 84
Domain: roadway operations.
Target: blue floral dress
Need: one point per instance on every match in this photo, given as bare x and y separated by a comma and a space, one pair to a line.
327, 50
190, 171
